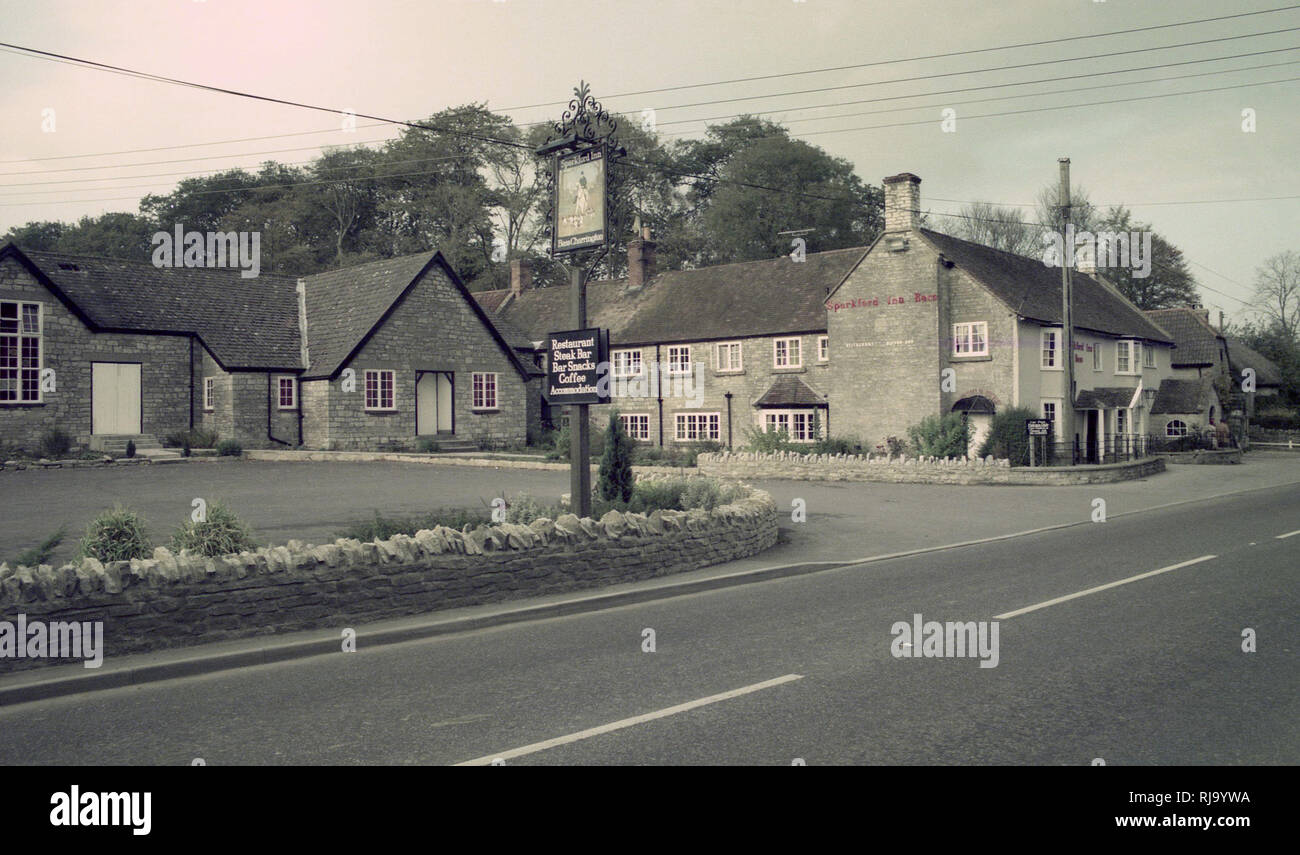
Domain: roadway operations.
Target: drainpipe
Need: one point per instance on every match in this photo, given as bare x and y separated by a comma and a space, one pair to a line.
268, 412
299, 396
191, 382
728, 396
659, 391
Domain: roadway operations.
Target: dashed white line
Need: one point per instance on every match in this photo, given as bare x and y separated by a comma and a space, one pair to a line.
486, 760
1078, 594
1288, 534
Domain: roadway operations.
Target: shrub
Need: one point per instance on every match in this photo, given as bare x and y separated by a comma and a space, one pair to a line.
229, 448
837, 445
1006, 437
130, 448
615, 482
707, 494
428, 445
1276, 418
523, 509
382, 528
116, 535
560, 447
41, 553
55, 443
941, 436
220, 533
195, 437
770, 441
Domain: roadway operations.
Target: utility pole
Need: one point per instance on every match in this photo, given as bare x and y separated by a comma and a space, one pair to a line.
1066, 415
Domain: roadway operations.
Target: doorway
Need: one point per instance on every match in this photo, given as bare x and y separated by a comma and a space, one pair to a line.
115, 398
434, 413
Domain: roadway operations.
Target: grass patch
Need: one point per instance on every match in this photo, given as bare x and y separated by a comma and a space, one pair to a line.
43, 551
116, 535
220, 533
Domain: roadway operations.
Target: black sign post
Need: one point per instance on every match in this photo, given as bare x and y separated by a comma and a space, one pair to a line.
1035, 428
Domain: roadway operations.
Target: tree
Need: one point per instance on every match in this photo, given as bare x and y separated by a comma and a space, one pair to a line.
1167, 282
616, 477
999, 227
1083, 214
1277, 293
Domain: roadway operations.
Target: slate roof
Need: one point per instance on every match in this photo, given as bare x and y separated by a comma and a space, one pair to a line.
1181, 396
753, 298
1241, 356
1033, 290
787, 390
1196, 342
244, 322
1106, 397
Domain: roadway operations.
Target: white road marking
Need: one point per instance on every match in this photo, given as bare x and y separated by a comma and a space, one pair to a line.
1288, 534
628, 722
1078, 594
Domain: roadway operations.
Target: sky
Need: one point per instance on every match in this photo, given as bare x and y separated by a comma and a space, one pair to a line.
1188, 164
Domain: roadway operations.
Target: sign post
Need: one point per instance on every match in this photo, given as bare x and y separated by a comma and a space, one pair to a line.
1034, 428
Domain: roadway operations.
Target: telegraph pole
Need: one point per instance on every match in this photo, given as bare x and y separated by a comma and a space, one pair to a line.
1066, 415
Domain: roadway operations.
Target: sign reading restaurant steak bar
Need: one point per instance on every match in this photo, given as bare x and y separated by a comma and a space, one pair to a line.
574, 361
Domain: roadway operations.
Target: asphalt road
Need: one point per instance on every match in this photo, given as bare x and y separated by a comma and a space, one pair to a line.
1147, 672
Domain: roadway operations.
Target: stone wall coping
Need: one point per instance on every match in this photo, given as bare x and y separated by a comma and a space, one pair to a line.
312, 456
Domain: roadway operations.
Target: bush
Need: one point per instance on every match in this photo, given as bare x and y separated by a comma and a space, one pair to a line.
615, 481
130, 448
941, 436
55, 443
1006, 437
523, 509
838, 445
382, 528
770, 441
1276, 418
220, 533
195, 438
707, 494
229, 448
116, 535
428, 445
560, 444
41, 553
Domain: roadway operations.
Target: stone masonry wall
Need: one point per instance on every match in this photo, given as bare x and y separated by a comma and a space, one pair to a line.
176, 600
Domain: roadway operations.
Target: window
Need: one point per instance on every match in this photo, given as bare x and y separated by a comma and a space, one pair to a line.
485, 390
20, 352
1121, 421
726, 356
379, 390
1176, 427
209, 393
1096, 357
627, 363
679, 359
1148, 357
287, 393
637, 425
1124, 357
698, 426
1049, 411
823, 348
1051, 346
799, 425
786, 353
970, 339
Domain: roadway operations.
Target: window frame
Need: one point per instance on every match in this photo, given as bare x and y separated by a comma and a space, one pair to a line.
379, 390
642, 418
209, 394
1186, 429
791, 418
1097, 357
712, 421
798, 352
1148, 356
739, 362
293, 392
628, 352
969, 337
1055, 336
480, 387
676, 366
1125, 350
823, 348
22, 374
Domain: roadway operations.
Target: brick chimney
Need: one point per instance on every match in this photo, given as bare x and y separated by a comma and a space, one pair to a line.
640, 259
902, 202
521, 275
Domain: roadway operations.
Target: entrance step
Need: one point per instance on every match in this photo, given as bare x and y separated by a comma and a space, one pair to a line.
447, 443
115, 444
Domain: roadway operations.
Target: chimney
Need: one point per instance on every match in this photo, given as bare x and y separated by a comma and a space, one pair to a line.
640, 259
521, 276
902, 202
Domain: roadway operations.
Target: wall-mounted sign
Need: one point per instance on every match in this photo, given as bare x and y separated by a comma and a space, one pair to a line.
580, 203
1038, 427
576, 363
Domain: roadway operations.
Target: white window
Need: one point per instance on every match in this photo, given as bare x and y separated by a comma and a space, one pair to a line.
1125, 357
823, 348
698, 426
1096, 357
637, 425
1175, 428
1051, 349
679, 359
627, 363
970, 339
1121, 421
287, 392
1049, 410
1148, 357
209, 393
21, 353
484, 384
379, 390
786, 353
799, 425
726, 356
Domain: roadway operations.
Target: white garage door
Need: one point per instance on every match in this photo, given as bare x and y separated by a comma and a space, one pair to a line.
115, 398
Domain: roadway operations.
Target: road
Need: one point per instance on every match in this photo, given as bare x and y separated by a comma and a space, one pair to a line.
1151, 671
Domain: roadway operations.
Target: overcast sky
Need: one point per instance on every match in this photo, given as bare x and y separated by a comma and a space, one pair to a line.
410, 59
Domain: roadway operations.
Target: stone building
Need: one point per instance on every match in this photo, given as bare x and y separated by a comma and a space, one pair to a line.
374, 355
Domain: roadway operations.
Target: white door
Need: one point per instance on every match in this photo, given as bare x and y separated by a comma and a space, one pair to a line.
426, 404
115, 398
444, 403
979, 430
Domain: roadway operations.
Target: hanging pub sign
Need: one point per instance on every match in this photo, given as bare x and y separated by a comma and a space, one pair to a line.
580, 204
576, 363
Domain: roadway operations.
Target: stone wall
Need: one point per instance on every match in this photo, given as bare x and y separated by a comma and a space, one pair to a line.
177, 600
900, 470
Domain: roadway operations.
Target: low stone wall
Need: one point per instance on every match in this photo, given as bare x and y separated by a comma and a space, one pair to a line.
1204, 456
176, 600
913, 470
489, 462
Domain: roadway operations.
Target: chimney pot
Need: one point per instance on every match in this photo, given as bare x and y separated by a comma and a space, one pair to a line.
902, 202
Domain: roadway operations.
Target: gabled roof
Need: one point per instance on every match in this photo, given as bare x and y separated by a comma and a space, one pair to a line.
345, 307
1181, 396
787, 390
753, 298
1196, 342
1104, 398
1032, 290
1241, 356
244, 323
